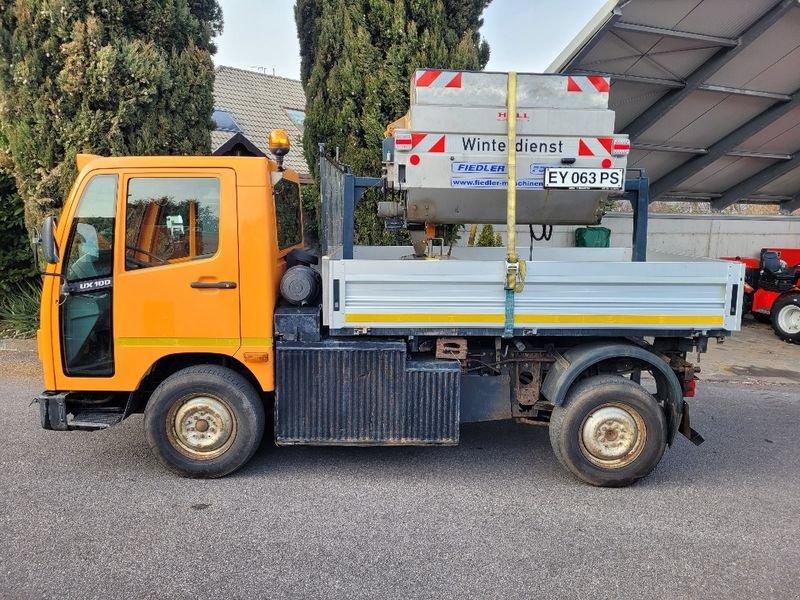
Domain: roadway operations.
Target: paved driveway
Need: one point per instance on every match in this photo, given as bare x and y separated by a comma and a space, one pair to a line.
93, 515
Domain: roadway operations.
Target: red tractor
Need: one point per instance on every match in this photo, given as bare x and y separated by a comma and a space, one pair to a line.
772, 290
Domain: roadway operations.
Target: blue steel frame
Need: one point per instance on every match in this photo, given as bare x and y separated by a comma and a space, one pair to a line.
638, 192
354, 188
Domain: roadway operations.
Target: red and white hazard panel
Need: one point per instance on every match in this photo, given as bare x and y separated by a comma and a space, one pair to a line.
420, 142
595, 146
588, 83
604, 146
432, 78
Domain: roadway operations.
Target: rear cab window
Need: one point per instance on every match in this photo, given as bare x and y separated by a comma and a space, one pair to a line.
288, 214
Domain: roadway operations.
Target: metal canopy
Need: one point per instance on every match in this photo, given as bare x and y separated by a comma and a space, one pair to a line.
708, 90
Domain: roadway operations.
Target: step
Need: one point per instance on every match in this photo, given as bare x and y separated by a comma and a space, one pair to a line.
94, 418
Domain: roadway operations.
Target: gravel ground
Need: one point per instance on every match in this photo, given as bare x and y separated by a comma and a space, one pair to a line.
93, 515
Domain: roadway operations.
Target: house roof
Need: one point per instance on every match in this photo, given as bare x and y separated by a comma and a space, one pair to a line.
259, 103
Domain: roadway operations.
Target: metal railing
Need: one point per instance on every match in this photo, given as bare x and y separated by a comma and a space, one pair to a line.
340, 193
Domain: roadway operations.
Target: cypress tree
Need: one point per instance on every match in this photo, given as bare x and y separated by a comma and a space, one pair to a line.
357, 59
487, 238
16, 261
110, 77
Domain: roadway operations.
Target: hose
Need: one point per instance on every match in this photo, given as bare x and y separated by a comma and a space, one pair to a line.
547, 233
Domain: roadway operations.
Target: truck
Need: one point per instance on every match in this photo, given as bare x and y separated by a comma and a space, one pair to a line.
179, 287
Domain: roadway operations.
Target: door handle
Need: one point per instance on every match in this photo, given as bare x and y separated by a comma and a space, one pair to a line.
220, 285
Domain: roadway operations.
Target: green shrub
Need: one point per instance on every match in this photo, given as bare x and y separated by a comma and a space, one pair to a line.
487, 237
19, 310
16, 260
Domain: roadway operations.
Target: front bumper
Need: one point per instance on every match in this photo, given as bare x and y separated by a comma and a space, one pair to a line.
53, 410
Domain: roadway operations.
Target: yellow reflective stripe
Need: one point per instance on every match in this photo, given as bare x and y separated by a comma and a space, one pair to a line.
527, 319
623, 319
257, 341
422, 318
173, 342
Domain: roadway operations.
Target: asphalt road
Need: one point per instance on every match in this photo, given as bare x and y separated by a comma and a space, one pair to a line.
93, 515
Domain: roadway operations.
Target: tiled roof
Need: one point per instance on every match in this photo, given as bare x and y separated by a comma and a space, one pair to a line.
258, 103
219, 137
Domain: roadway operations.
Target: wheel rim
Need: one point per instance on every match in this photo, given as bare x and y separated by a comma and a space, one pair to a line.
201, 427
612, 436
789, 319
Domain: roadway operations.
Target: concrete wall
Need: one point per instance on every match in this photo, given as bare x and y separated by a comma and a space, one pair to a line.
690, 235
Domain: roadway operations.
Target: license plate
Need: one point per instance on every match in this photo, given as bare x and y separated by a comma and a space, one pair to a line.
570, 178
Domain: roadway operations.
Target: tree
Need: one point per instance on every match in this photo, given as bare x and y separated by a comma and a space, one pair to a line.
487, 238
16, 261
357, 59
109, 77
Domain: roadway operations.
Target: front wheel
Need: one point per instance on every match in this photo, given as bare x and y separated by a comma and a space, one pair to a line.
204, 421
609, 432
786, 318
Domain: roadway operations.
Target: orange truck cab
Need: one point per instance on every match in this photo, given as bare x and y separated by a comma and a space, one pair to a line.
164, 263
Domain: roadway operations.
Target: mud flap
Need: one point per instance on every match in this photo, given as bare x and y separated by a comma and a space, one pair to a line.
686, 429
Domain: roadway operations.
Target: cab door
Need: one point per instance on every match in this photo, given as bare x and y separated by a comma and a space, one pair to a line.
177, 288
83, 309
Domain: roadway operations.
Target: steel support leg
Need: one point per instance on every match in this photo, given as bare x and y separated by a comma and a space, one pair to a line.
638, 192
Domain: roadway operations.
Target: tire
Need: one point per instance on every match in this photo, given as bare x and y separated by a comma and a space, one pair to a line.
786, 318
614, 402
204, 421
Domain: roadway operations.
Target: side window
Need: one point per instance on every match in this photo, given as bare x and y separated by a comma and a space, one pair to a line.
91, 238
171, 219
287, 213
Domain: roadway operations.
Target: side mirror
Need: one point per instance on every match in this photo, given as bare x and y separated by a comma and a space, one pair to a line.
48, 240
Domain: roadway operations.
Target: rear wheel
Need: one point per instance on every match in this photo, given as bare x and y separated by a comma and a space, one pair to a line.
610, 431
786, 318
204, 421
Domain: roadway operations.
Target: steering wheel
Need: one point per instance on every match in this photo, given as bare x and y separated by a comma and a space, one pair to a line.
143, 263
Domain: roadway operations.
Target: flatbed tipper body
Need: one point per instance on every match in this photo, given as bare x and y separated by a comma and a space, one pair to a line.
179, 287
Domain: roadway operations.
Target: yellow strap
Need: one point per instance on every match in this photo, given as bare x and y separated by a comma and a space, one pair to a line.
511, 212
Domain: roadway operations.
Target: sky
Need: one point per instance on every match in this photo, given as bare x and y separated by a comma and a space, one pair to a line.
524, 35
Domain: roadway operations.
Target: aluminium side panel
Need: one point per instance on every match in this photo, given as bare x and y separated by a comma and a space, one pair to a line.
436, 294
